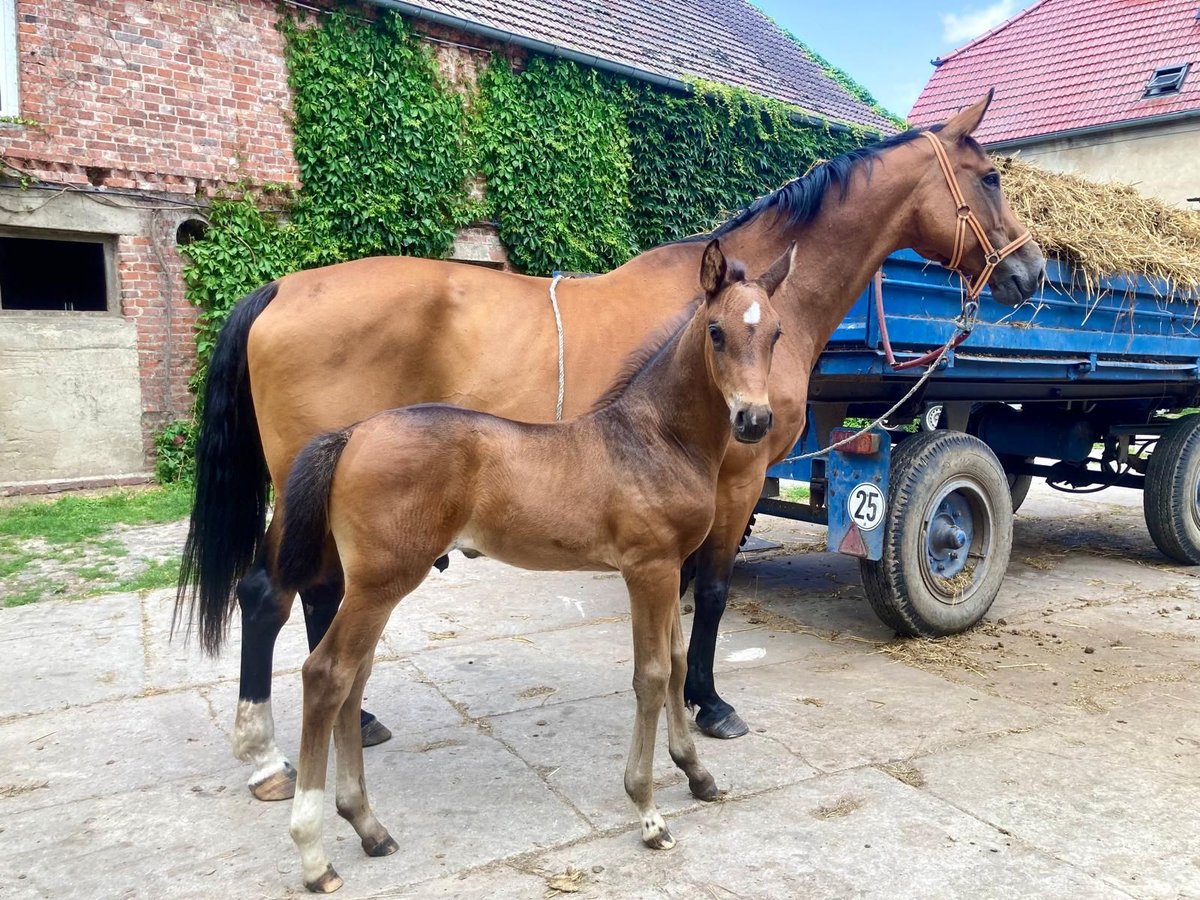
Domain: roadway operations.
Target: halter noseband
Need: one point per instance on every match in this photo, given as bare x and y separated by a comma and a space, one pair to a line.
966, 217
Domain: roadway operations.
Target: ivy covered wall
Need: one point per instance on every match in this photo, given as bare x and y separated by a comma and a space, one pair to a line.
582, 169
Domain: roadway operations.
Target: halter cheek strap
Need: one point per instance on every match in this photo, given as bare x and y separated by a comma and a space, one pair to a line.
967, 219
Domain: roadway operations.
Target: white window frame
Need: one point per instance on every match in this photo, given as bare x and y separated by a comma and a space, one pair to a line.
10, 100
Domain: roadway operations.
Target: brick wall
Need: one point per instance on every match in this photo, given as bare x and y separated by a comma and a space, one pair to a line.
161, 104
167, 100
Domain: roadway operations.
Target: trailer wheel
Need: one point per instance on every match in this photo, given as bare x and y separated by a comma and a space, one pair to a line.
948, 536
1171, 499
1018, 484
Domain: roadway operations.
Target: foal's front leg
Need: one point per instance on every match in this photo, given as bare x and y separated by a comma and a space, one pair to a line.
654, 602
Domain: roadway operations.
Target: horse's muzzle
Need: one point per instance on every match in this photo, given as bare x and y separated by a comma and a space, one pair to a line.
751, 423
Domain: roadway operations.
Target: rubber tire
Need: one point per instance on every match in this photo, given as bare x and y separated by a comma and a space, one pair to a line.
1169, 498
1018, 485
921, 467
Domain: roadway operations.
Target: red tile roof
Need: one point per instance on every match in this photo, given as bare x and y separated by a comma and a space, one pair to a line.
1066, 64
727, 41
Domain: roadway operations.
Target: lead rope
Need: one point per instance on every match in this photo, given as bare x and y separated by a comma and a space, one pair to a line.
966, 322
562, 374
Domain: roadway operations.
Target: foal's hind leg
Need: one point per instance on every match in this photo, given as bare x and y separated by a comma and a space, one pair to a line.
334, 676
320, 604
653, 600
679, 736
352, 804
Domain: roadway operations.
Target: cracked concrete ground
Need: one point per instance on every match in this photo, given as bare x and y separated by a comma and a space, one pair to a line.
1052, 752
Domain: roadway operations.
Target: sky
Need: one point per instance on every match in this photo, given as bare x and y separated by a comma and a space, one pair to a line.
886, 45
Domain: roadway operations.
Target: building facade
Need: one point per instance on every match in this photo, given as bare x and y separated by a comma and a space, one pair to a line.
1103, 88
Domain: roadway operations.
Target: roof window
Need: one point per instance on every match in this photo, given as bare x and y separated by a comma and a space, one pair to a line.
1167, 80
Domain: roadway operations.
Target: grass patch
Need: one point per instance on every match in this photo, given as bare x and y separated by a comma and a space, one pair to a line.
159, 574
32, 594
71, 519
797, 493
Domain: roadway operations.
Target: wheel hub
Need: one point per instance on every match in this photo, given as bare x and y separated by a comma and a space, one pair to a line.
949, 536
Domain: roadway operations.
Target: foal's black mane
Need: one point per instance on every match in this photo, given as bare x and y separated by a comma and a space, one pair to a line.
799, 201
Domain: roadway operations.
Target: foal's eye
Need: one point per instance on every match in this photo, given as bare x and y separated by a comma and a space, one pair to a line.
717, 335
778, 335
992, 180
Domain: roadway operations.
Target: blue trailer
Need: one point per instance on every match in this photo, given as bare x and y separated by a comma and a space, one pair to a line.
1081, 385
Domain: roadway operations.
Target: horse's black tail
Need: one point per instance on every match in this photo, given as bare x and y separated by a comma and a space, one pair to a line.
306, 501
229, 511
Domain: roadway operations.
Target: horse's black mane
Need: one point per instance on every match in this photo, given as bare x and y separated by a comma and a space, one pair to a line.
799, 201
645, 356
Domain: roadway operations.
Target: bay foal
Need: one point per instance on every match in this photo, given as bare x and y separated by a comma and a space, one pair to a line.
628, 486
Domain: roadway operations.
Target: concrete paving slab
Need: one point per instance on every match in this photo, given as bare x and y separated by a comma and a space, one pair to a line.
107, 748
858, 834
835, 711
61, 654
581, 749
1129, 812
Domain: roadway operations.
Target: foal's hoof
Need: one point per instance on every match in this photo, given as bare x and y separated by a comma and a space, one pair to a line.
279, 785
385, 847
329, 882
731, 726
375, 732
661, 840
706, 789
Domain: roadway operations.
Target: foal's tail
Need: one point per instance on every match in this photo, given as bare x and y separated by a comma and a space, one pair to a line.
229, 511
306, 501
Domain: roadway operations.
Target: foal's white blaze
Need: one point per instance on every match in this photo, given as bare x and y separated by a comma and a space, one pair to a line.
753, 314
254, 740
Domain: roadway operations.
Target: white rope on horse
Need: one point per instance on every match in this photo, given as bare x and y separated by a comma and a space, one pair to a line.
966, 319
562, 375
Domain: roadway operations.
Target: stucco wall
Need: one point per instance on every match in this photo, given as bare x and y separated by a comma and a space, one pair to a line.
1160, 161
72, 407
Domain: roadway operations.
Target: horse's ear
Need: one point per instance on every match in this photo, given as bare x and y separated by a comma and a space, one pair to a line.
966, 121
713, 269
780, 269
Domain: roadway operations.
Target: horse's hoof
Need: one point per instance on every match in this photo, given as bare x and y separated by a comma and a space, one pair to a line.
385, 847
706, 789
660, 841
375, 732
729, 727
279, 785
329, 882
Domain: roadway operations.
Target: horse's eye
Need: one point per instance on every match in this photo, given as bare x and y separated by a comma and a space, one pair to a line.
717, 335
778, 335
992, 180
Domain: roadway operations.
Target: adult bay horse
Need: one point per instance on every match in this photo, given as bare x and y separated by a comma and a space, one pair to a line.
322, 348
394, 493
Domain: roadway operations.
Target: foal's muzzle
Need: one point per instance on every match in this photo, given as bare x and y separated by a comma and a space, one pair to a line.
751, 423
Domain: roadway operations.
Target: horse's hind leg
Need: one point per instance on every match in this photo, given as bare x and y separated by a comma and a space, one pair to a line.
653, 600
264, 608
679, 737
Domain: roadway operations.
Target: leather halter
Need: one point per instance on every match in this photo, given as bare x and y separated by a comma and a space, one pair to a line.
967, 218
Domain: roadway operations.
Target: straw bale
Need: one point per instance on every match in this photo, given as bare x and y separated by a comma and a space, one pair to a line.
1105, 229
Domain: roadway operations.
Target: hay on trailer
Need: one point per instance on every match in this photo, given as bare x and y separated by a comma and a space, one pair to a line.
1105, 229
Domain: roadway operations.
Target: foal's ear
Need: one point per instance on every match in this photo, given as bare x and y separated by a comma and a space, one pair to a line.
966, 121
713, 269
780, 269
